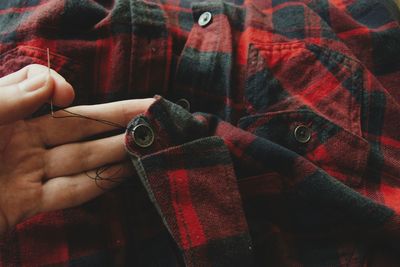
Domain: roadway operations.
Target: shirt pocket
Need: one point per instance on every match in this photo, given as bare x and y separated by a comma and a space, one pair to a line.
337, 151
21, 56
297, 75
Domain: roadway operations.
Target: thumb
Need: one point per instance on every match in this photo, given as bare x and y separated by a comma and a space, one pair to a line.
20, 100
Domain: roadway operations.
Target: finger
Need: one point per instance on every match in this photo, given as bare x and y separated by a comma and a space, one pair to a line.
27, 72
63, 92
20, 100
70, 191
79, 157
56, 131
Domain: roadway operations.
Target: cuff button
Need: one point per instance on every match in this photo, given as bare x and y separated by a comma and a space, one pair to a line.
143, 135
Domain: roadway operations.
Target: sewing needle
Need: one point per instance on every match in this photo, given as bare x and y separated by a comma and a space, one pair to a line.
49, 73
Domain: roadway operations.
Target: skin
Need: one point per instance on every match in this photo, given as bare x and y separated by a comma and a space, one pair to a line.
43, 161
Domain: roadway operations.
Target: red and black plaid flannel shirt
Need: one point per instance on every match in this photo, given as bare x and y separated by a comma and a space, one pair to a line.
289, 156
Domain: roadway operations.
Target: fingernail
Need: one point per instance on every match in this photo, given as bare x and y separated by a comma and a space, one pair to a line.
34, 83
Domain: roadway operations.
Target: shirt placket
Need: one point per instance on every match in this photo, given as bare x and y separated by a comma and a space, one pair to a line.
150, 55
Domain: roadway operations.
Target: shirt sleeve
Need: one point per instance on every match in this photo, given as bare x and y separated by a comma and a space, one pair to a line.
189, 163
188, 174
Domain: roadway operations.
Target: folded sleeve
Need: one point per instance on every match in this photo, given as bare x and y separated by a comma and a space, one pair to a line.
189, 175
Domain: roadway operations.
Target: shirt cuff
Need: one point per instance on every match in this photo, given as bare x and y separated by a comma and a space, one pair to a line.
163, 125
190, 178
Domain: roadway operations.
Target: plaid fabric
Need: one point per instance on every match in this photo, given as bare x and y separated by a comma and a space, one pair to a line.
228, 184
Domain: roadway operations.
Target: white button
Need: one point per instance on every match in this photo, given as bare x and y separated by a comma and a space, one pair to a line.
204, 19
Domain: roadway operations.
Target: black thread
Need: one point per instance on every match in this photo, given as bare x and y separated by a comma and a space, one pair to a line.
76, 115
101, 170
98, 176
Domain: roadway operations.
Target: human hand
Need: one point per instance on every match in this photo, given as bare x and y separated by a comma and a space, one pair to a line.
43, 161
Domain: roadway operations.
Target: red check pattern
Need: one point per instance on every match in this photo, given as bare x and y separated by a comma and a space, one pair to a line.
227, 184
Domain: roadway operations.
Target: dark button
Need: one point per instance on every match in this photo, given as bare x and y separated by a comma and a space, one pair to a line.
184, 103
143, 135
204, 19
302, 134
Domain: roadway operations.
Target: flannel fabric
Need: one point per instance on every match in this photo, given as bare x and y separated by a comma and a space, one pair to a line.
289, 156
